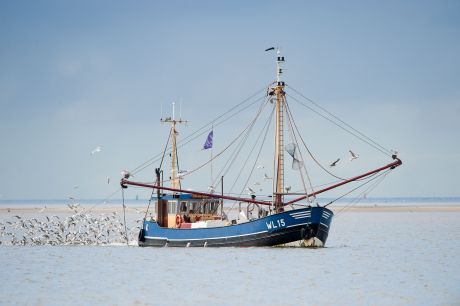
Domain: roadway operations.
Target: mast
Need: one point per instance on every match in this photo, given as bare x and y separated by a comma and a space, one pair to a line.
278, 91
173, 133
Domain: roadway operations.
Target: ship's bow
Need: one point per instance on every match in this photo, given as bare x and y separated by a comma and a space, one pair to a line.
318, 230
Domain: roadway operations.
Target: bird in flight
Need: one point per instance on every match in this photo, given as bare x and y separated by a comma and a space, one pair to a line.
334, 163
353, 155
266, 177
96, 150
250, 191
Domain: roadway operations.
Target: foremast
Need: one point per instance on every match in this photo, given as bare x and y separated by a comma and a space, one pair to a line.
175, 184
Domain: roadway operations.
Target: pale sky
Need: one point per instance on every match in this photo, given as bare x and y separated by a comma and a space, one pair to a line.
75, 75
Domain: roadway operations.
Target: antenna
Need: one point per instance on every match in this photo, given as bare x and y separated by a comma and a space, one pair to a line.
174, 165
279, 63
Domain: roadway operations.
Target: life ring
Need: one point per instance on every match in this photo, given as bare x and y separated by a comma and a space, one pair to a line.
179, 220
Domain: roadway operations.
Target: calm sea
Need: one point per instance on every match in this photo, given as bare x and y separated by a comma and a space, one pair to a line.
371, 258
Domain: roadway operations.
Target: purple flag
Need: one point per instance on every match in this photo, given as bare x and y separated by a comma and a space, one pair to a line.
208, 143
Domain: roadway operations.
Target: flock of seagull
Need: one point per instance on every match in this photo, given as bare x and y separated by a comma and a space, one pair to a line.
353, 156
80, 228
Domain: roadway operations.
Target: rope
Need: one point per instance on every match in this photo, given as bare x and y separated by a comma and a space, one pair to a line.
247, 129
383, 151
291, 122
340, 120
166, 147
201, 134
103, 201
124, 214
250, 153
372, 177
266, 128
309, 152
204, 128
368, 190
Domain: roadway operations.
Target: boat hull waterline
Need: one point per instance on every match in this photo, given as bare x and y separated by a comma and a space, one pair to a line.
307, 225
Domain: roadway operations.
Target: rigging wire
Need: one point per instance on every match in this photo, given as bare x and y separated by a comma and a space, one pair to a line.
203, 130
343, 122
366, 191
265, 128
232, 158
166, 147
182, 143
383, 151
291, 122
246, 130
311, 154
124, 215
103, 201
371, 178
247, 158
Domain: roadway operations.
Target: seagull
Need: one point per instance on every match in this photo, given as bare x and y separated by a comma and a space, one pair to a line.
108, 180
260, 167
211, 189
250, 191
126, 174
334, 163
266, 177
181, 173
353, 155
96, 150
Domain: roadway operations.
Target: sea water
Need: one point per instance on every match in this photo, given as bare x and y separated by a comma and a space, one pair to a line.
371, 258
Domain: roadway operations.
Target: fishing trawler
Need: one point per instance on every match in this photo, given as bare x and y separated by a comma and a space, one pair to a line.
188, 218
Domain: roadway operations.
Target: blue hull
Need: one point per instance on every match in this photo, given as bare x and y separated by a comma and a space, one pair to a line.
289, 226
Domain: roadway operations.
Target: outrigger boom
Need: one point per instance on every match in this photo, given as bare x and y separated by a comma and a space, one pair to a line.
125, 182
393, 165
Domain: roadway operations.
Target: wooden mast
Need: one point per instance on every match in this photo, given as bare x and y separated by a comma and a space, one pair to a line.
174, 133
278, 91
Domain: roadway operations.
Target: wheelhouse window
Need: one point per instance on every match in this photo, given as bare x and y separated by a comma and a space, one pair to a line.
183, 206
